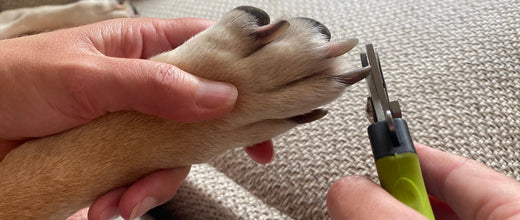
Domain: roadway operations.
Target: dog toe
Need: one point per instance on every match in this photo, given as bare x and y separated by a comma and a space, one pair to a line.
262, 18
319, 27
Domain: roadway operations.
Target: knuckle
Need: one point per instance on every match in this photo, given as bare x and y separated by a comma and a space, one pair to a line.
340, 188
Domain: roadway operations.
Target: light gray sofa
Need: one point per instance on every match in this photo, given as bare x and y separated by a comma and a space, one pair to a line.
453, 65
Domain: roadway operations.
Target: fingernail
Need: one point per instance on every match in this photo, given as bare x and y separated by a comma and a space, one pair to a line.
109, 214
215, 94
142, 207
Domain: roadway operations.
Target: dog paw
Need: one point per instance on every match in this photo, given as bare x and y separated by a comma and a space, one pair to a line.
283, 70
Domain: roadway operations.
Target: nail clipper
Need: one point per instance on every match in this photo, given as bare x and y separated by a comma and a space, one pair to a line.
396, 160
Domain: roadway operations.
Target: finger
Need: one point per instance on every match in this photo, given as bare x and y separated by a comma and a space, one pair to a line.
150, 87
262, 152
153, 88
176, 31
151, 191
147, 36
7, 145
355, 197
107, 205
473, 190
79, 215
442, 210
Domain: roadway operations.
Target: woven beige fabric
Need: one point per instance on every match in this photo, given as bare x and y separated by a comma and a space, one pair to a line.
454, 65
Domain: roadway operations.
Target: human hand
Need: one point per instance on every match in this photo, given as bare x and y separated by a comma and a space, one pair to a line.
55, 81
460, 188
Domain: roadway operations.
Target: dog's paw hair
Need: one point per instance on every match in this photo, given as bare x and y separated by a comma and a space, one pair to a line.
283, 70
90, 11
26, 21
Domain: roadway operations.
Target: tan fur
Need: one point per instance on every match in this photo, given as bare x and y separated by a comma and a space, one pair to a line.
25, 21
52, 177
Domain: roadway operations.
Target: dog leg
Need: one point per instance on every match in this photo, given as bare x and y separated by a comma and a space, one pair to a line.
24, 21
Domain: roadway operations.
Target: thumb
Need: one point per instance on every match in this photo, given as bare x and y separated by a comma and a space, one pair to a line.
160, 89
356, 197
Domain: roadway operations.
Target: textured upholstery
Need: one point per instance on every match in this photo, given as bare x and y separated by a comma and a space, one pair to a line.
453, 65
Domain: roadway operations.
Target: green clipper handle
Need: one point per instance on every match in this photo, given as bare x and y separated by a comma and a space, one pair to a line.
398, 165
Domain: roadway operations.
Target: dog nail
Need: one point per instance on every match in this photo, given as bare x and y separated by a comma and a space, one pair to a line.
268, 33
214, 95
142, 207
309, 117
354, 76
337, 49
